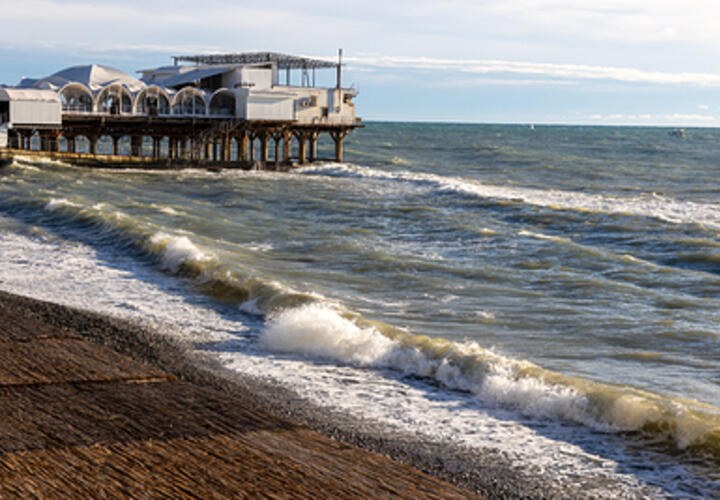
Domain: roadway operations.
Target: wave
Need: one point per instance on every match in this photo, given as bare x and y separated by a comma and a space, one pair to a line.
650, 205
310, 325
179, 255
328, 332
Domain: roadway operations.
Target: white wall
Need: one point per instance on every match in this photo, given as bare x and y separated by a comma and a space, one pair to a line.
265, 106
3, 136
35, 113
254, 78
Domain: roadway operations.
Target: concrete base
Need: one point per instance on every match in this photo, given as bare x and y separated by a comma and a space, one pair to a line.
124, 162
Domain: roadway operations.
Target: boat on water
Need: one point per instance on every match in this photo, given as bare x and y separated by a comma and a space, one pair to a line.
678, 132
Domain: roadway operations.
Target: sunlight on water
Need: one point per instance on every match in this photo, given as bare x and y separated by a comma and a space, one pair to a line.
564, 280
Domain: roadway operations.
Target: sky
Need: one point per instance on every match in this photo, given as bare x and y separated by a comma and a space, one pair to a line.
615, 62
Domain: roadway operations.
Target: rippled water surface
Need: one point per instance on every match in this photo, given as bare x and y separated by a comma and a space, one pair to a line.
552, 293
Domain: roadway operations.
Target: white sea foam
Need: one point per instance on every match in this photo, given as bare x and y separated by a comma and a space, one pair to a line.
127, 290
651, 205
57, 203
319, 330
178, 250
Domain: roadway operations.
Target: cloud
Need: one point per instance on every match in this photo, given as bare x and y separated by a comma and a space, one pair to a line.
659, 119
703, 107
548, 70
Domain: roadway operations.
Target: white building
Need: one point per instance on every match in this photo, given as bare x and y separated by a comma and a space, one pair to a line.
241, 88
210, 107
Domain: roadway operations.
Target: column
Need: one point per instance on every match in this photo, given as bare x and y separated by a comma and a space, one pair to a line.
302, 148
313, 146
277, 139
338, 136
243, 147
264, 147
287, 147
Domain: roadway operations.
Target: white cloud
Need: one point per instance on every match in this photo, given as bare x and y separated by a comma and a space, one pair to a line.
549, 70
656, 119
704, 107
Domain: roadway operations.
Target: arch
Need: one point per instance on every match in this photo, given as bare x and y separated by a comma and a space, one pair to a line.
189, 101
76, 97
81, 144
222, 103
152, 100
114, 100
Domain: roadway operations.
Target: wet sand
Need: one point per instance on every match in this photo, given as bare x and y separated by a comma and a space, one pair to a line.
93, 405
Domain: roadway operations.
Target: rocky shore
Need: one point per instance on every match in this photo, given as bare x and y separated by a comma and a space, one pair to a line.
486, 473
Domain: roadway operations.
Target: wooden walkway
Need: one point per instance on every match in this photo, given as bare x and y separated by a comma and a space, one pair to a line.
80, 420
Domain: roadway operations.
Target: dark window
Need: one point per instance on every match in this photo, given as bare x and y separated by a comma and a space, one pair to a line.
4, 111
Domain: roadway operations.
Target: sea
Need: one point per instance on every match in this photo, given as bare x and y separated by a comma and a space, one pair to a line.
551, 293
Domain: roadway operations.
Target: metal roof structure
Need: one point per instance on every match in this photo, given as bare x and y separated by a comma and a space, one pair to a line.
283, 61
93, 76
192, 76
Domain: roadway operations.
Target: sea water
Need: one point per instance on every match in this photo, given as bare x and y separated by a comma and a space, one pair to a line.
548, 293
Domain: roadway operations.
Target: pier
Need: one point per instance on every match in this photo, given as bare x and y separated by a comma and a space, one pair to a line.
231, 110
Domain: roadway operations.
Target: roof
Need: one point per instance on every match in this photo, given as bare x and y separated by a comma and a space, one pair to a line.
93, 76
191, 76
283, 61
28, 95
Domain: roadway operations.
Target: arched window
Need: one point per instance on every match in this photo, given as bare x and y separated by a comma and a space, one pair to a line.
114, 100
189, 101
222, 103
75, 97
152, 101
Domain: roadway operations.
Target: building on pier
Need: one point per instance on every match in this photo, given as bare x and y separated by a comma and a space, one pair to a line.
226, 108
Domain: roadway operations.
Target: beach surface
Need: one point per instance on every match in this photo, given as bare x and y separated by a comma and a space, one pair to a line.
81, 419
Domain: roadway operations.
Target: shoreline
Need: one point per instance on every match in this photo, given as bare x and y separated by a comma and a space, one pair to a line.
485, 472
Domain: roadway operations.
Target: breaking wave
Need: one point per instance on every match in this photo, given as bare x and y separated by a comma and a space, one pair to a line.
309, 325
324, 331
650, 205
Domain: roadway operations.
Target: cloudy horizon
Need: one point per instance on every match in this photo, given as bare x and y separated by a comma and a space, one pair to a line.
512, 61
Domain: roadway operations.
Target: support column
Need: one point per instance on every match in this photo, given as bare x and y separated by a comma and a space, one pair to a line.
93, 144
264, 147
227, 147
302, 147
156, 148
338, 136
115, 140
252, 148
313, 146
243, 147
287, 146
277, 138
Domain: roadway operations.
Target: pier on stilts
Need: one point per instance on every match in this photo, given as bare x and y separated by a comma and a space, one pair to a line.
220, 111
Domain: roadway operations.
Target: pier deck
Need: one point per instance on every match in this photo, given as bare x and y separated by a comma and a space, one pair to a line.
78, 419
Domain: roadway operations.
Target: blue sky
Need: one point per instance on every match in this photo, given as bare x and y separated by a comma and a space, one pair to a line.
485, 61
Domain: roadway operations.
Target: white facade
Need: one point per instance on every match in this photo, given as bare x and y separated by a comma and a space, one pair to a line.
253, 105
31, 107
244, 91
